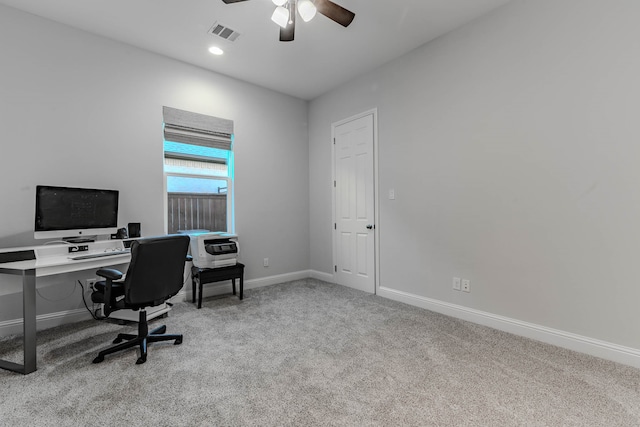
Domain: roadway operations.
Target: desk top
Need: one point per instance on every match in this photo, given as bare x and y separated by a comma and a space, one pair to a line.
56, 259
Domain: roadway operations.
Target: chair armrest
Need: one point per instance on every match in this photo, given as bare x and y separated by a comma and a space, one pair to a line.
109, 273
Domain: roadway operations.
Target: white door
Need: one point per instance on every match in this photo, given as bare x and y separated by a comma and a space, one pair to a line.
354, 234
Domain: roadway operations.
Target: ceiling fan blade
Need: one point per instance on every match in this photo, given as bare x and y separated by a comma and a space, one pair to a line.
232, 1
335, 12
287, 33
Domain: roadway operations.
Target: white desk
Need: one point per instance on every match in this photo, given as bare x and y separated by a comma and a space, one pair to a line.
51, 260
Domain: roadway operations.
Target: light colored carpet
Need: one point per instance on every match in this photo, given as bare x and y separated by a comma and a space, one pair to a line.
312, 353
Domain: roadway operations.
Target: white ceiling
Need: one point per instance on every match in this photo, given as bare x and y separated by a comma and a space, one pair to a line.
323, 55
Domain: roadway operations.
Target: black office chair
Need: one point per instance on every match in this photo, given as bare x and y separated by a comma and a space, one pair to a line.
155, 274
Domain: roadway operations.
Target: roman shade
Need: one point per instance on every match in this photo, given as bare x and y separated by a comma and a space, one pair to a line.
197, 129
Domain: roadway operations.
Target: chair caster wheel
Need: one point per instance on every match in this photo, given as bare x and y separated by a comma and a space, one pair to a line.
177, 341
98, 359
141, 360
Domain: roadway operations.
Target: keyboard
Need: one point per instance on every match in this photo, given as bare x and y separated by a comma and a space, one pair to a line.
100, 255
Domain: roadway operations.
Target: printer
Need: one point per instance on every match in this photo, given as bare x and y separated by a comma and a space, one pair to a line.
213, 250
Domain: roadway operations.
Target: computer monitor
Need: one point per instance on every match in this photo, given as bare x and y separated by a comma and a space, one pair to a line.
75, 214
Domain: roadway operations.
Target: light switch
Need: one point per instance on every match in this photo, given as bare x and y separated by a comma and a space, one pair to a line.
392, 194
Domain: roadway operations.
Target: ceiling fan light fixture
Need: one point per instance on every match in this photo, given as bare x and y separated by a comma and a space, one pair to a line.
307, 10
281, 16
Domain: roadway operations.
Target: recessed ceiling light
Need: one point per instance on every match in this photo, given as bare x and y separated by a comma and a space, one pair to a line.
216, 50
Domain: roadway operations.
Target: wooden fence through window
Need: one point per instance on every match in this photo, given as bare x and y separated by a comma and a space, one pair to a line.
189, 211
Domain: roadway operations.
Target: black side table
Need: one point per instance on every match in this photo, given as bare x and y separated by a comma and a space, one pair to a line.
210, 275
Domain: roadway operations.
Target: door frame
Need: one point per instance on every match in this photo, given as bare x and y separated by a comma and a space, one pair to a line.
376, 202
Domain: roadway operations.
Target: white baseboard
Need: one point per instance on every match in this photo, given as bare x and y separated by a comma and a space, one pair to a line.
224, 287
605, 350
319, 275
44, 321
274, 280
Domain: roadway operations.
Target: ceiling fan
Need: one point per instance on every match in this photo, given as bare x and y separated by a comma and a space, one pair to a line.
285, 14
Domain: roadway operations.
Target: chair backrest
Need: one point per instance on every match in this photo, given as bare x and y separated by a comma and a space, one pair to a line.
156, 270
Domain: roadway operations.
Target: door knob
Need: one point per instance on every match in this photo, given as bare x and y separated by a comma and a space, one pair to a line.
369, 226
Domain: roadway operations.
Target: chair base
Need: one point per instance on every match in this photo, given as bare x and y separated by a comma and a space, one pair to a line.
141, 340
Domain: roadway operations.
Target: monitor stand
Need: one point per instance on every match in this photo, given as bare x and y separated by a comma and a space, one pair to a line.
85, 239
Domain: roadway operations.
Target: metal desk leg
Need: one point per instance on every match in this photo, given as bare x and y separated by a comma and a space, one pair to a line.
29, 326
29, 316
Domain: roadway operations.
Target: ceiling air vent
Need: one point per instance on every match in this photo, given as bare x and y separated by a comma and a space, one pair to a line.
224, 32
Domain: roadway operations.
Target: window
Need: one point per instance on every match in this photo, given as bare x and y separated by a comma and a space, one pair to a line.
198, 165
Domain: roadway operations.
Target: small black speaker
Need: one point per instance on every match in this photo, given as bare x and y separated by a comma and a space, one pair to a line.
134, 229
122, 233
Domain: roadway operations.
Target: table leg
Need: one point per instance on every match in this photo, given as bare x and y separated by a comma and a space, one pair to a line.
29, 315
29, 326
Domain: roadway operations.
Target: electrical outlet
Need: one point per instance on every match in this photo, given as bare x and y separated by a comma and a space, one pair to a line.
90, 282
456, 283
466, 285
266, 262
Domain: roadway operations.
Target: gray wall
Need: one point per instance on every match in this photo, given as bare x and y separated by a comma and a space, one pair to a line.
510, 143
81, 110
512, 146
